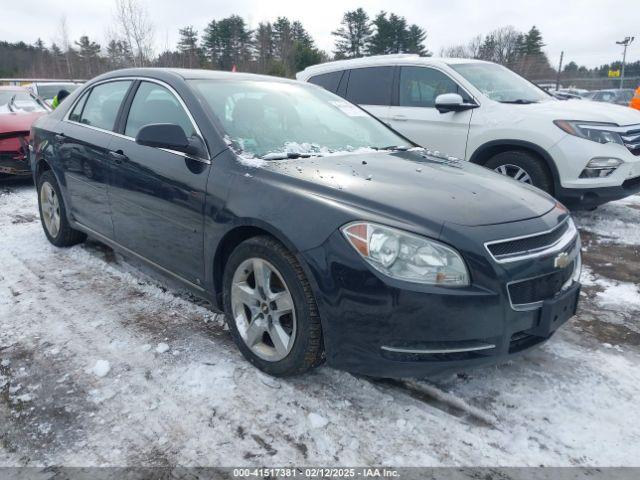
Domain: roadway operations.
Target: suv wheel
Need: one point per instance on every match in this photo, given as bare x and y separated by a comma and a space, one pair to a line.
270, 308
53, 213
524, 167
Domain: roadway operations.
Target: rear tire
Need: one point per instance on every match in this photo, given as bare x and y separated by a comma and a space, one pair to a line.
524, 167
279, 344
53, 213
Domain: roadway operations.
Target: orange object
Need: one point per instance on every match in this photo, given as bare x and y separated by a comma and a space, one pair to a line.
635, 101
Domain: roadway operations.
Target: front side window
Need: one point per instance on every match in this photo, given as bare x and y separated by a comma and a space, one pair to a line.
261, 117
154, 103
101, 108
500, 84
419, 86
370, 86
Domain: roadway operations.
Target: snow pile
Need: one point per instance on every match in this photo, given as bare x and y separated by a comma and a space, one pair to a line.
101, 368
162, 348
615, 222
317, 421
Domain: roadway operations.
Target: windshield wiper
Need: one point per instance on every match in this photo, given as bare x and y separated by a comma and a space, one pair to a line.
284, 156
519, 101
401, 148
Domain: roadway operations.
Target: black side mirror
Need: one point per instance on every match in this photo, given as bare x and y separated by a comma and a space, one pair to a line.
452, 102
164, 135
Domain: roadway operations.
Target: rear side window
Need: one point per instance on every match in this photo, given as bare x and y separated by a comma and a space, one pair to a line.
329, 81
101, 108
419, 86
153, 103
370, 86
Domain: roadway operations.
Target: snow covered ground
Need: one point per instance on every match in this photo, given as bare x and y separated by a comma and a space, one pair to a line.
101, 364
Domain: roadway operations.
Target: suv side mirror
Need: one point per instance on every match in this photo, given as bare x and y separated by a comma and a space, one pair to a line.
452, 102
164, 135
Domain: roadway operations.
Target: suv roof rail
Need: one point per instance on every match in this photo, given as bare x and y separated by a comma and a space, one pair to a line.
391, 56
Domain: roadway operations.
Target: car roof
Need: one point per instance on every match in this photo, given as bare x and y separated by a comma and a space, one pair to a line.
192, 74
382, 60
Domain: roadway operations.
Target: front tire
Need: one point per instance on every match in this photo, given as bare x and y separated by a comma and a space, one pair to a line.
53, 213
523, 167
272, 314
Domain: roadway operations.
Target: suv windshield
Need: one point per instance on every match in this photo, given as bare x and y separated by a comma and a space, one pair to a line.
19, 101
499, 83
279, 120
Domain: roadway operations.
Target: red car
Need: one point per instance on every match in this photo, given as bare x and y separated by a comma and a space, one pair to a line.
18, 110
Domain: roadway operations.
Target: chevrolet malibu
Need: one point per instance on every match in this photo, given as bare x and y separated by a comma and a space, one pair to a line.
322, 234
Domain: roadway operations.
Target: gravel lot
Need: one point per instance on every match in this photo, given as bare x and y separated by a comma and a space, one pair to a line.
102, 364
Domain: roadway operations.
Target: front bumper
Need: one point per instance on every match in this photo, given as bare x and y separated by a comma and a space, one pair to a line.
380, 327
11, 163
571, 156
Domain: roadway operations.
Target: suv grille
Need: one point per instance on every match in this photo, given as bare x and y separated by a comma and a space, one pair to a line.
540, 288
631, 139
502, 250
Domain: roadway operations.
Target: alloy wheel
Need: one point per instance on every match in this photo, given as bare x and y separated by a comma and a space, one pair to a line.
515, 172
50, 206
263, 309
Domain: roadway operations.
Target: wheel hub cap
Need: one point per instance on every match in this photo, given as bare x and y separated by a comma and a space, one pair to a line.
50, 207
515, 172
263, 310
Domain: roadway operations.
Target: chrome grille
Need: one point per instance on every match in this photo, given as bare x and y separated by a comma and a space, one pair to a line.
537, 244
631, 137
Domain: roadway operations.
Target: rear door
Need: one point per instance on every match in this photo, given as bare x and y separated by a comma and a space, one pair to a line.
158, 195
371, 88
416, 117
83, 147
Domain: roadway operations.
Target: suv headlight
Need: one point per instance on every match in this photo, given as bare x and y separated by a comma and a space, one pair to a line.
597, 132
406, 256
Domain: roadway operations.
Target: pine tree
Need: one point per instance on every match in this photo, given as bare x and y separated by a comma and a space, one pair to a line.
415, 38
88, 55
533, 42
264, 45
353, 35
188, 47
380, 42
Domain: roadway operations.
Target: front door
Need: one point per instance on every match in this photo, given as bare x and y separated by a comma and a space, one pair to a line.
417, 118
83, 146
158, 196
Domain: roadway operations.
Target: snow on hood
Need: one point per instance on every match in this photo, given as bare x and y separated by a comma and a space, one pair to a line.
420, 185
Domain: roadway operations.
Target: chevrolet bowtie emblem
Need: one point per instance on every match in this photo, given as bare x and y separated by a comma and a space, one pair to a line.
562, 260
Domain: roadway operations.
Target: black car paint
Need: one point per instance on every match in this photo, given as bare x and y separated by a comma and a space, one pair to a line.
184, 216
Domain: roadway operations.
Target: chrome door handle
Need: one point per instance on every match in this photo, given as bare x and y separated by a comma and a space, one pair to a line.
399, 118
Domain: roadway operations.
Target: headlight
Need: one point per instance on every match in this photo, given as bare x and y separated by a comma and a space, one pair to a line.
597, 132
406, 256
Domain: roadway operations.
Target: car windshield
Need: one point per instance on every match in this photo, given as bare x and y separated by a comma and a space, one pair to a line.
274, 120
48, 91
19, 101
500, 84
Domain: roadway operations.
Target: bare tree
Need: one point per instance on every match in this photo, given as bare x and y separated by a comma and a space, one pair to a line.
63, 36
132, 19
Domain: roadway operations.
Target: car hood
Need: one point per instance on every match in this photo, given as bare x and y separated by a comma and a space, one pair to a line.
586, 110
418, 186
14, 122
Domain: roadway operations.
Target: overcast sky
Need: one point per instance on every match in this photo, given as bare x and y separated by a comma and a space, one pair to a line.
585, 30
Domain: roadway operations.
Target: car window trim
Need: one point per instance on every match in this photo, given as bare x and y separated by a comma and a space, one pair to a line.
121, 135
432, 67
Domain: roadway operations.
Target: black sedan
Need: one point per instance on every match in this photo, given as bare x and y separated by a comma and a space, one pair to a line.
319, 231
